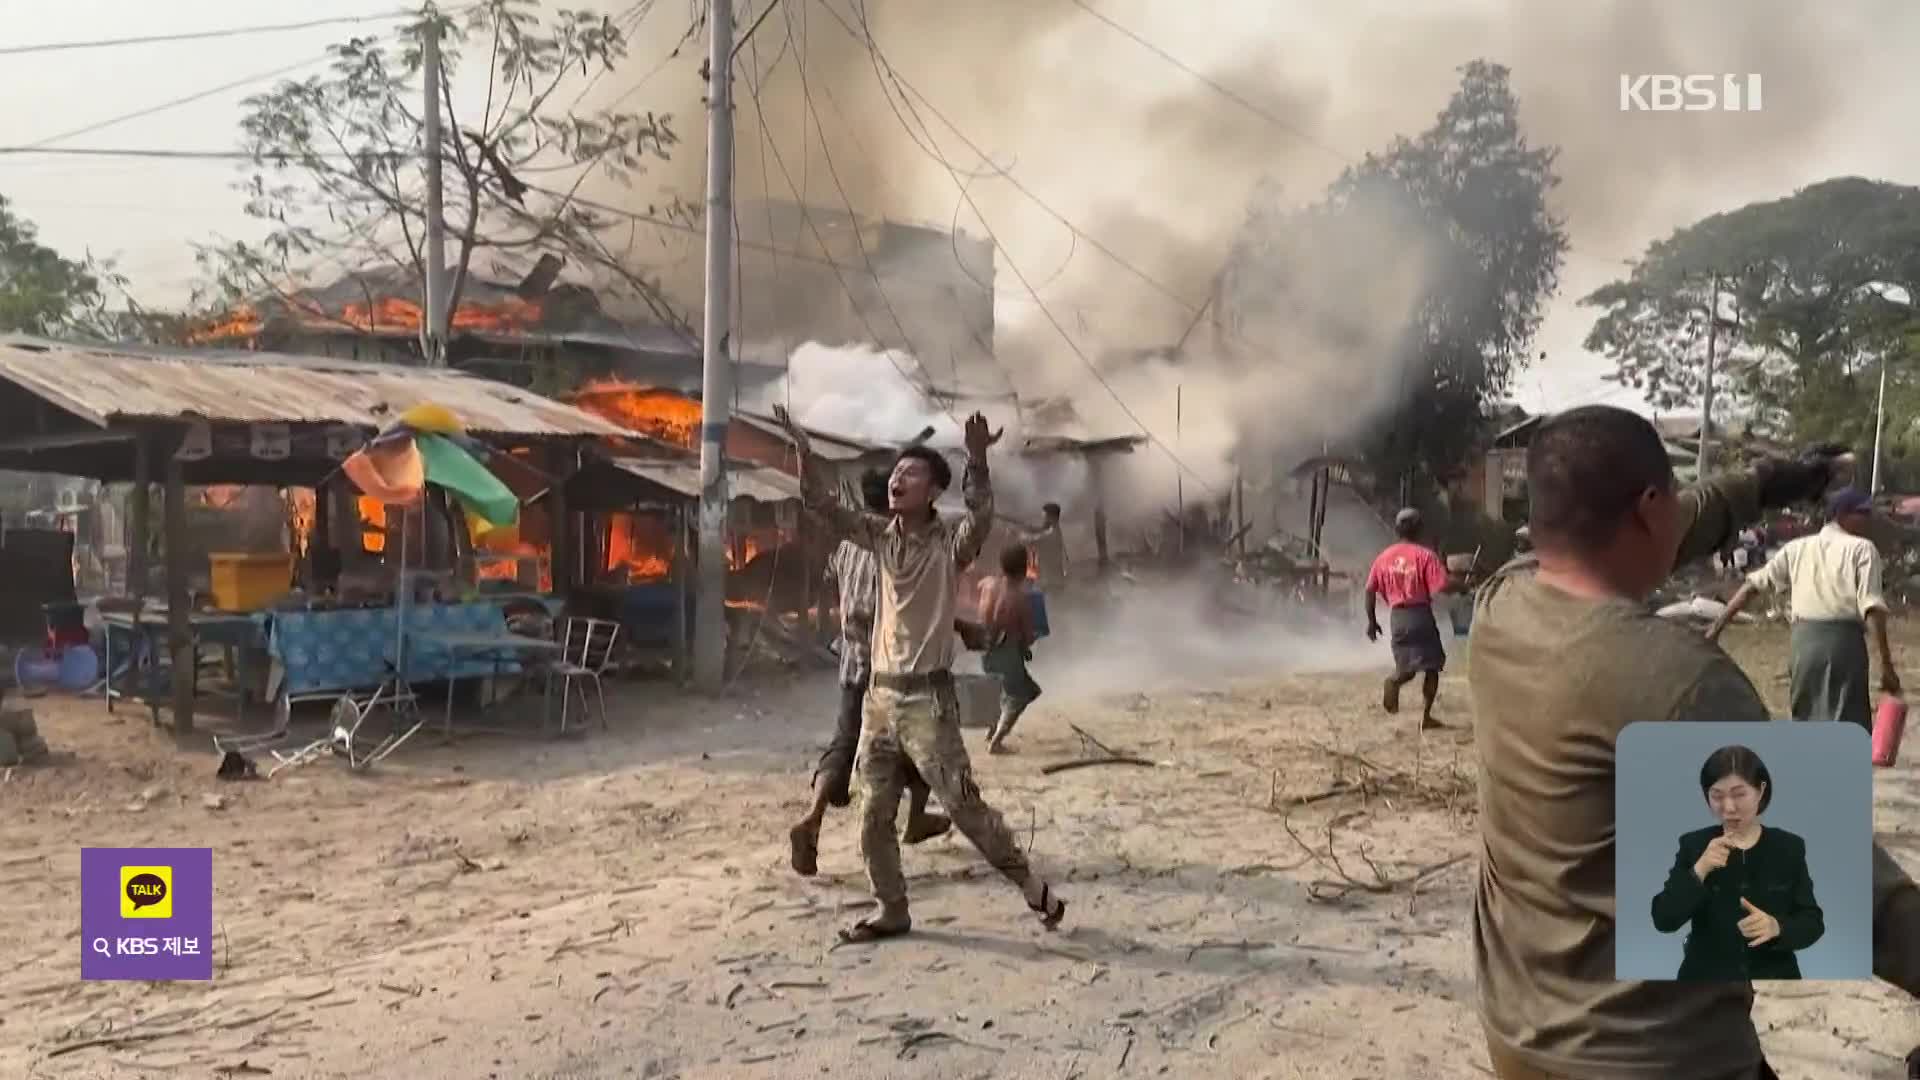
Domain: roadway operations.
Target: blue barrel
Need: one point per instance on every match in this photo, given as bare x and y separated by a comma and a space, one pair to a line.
1037, 600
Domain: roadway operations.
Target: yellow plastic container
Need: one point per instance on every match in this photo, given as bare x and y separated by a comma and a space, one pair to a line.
249, 582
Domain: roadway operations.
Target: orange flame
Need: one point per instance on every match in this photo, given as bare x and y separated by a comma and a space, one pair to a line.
241, 322
373, 520
638, 546
505, 566
301, 515
386, 313
394, 313
667, 415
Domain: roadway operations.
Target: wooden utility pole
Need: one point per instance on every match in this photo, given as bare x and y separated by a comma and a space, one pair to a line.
716, 381
1706, 398
140, 517
433, 328
180, 643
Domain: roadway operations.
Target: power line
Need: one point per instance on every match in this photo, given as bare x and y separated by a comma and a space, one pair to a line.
201, 35
873, 48
1226, 92
864, 37
174, 104
806, 216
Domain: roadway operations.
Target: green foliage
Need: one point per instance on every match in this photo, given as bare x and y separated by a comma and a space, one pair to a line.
45, 294
1464, 207
336, 159
1817, 289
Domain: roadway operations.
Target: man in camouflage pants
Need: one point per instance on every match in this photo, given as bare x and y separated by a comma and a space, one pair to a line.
912, 714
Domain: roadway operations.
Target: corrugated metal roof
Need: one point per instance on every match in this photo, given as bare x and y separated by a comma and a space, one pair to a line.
744, 481
826, 445
106, 383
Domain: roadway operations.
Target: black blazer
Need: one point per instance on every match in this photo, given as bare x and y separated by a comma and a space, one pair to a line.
1773, 875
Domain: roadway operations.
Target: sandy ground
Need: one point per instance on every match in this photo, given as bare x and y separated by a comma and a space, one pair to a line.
619, 904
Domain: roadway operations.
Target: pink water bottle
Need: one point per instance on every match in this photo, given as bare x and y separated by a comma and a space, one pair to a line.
1889, 723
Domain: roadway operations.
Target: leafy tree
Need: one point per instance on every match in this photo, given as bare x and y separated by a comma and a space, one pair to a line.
45, 294
1816, 290
337, 159
1466, 202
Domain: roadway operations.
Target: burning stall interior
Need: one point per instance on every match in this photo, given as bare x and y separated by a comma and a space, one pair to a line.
223, 421
642, 552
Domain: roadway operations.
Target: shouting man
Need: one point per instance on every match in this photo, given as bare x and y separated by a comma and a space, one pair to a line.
1833, 578
912, 713
1565, 655
856, 576
1409, 575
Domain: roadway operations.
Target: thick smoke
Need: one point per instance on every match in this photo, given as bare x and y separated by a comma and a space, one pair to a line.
1158, 167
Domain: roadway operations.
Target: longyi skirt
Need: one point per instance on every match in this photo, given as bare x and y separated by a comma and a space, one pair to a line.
1416, 640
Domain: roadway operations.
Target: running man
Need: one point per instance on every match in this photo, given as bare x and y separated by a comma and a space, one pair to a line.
912, 713
1833, 578
1409, 575
1049, 550
1007, 614
856, 578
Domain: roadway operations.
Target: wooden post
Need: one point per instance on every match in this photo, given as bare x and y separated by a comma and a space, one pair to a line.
179, 628
682, 578
139, 516
1099, 514
560, 530
1240, 512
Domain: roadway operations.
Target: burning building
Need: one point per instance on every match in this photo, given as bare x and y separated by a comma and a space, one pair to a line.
542, 334
937, 301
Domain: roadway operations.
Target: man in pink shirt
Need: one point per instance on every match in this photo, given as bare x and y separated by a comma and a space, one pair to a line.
1409, 574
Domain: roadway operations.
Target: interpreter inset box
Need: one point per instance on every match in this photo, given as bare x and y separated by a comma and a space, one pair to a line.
1743, 852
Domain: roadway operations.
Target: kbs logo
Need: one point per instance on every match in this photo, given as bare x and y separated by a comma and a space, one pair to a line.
1689, 93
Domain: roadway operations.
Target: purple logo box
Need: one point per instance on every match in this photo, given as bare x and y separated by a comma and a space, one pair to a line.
146, 947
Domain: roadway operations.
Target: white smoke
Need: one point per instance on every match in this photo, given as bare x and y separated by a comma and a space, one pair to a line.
875, 396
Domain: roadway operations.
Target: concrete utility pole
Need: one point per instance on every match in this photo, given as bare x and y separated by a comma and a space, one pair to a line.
716, 381
433, 327
1706, 397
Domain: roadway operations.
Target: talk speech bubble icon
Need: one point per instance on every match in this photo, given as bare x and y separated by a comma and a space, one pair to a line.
146, 890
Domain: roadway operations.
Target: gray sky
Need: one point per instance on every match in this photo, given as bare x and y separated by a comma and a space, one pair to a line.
1097, 120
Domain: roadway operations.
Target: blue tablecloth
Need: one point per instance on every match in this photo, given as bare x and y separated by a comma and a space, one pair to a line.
323, 652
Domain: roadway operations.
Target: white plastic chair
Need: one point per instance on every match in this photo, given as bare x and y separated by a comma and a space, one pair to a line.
586, 648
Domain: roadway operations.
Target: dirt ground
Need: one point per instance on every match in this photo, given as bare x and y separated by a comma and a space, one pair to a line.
619, 904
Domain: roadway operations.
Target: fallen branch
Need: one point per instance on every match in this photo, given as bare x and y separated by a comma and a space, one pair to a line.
1063, 766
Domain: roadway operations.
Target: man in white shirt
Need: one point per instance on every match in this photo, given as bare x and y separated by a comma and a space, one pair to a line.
1833, 578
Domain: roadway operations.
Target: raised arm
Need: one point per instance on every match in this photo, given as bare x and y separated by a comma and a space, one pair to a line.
976, 490
1715, 510
822, 500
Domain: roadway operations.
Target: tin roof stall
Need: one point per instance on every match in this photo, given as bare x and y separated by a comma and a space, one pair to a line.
181, 417
641, 548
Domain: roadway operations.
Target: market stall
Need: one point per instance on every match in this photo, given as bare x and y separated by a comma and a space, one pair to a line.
347, 596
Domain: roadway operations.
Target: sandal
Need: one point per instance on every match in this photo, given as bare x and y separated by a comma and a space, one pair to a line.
806, 850
930, 827
868, 931
1051, 908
